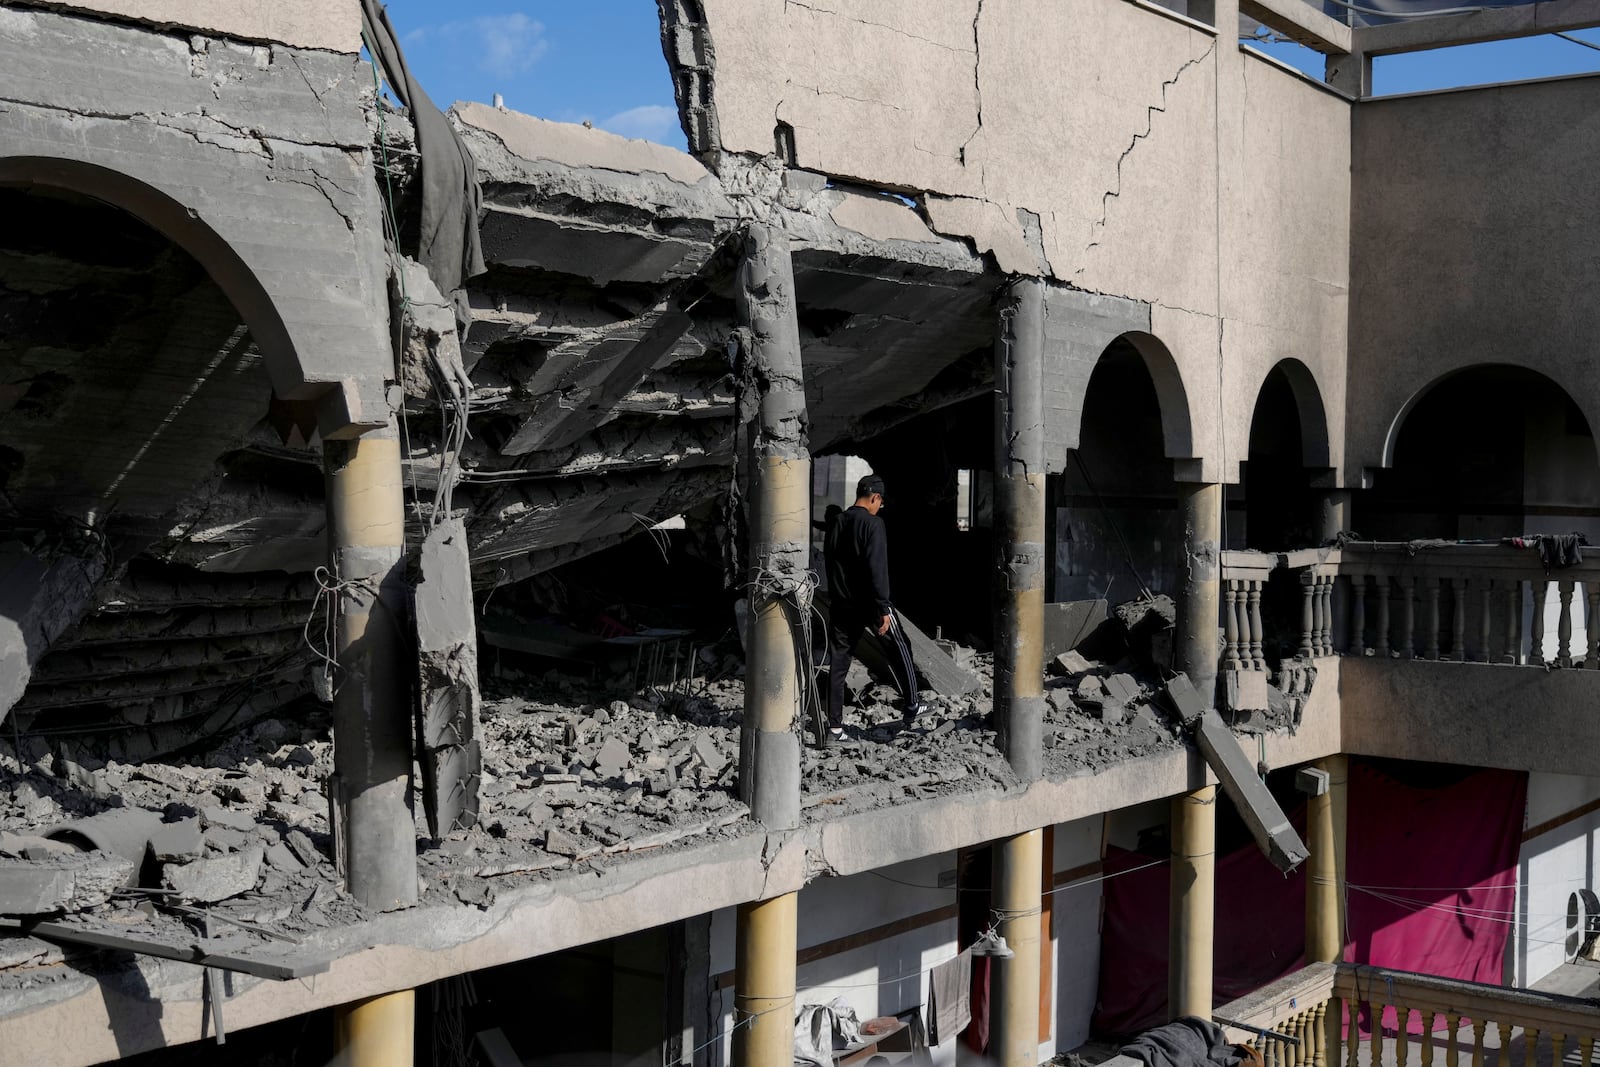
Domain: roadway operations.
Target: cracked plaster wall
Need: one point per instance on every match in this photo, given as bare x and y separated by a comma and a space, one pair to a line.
1475, 235
1080, 139
334, 27
255, 158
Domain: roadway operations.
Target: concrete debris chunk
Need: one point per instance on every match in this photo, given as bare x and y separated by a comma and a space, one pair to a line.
1069, 663
561, 843
225, 839
60, 882
1122, 688
300, 844
1186, 703
26, 846
282, 857
290, 814
215, 878
1057, 697
241, 791
1069, 622
177, 842
217, 815
612, 759
705, 747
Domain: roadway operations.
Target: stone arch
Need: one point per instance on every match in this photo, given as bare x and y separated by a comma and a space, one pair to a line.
1177, 429
1392, 433
1315, 444
188, 231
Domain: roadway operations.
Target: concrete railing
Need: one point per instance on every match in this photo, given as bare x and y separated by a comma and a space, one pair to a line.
1349, 1015
1465, 603
1287, 1021
1245, 575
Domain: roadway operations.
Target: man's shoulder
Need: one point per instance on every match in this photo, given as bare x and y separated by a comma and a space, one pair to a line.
860, 518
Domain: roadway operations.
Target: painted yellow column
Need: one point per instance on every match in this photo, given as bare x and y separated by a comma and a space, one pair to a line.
376, 1032
374, 828
1014, 1033
763, 998
1325, 829
1193, 903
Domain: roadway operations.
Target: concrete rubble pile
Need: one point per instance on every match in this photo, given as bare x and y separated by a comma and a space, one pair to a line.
578, 773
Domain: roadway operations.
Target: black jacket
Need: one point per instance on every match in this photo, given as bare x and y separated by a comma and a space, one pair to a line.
856, 550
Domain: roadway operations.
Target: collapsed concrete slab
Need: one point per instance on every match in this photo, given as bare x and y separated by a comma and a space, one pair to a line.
43, 591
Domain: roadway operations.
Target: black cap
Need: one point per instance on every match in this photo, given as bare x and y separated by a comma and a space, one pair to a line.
869, 485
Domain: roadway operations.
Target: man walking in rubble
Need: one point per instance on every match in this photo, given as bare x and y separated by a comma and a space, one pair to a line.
856, 552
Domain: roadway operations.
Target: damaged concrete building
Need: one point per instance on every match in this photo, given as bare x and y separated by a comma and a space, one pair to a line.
409, 632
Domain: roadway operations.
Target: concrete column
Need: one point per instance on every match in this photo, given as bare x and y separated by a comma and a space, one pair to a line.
1014, 1027
780, 540
1333, 513
763, 996
1019, 652
1326, 817
1194, 826
1199, 603
1351, 74
1019, 519
374, 827
780, 528
1192, 903
376, 1032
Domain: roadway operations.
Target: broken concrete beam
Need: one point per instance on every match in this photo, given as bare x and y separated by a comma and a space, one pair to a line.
1268, 824
1184, 701
123, 832
1068, 622
448, 700
216, 877
64, 882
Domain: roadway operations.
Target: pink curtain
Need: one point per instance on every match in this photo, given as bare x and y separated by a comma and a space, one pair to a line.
1431, 863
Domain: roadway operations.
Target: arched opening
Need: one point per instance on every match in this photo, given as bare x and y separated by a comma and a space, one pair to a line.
1273, 509
1116, 524
1484, 455
160, 214
136, 465
1488, 452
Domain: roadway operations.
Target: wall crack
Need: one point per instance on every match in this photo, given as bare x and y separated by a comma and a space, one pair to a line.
1151, 111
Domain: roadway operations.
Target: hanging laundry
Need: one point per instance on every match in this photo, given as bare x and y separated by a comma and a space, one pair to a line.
949, 998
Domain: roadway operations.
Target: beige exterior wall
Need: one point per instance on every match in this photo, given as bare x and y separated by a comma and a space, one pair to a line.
1475, 229
330, 25
1161, 163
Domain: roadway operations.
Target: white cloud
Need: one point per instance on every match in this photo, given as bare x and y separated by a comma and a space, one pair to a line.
652, 122
501, 45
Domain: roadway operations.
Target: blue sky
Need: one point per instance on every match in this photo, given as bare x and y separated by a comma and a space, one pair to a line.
601, 61
1476, 64
568, 60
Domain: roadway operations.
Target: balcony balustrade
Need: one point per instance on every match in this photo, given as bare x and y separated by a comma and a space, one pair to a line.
1349, 1015
1418, 600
